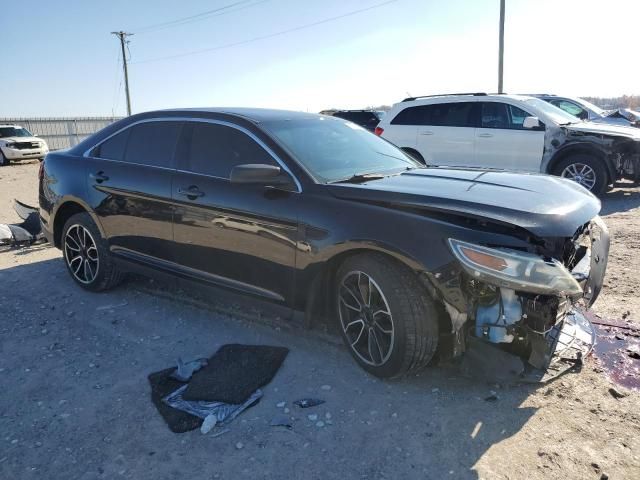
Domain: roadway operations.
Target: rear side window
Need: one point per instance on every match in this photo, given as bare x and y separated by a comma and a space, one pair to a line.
440, 115
112, 148
153, 143
214, 150
411, 116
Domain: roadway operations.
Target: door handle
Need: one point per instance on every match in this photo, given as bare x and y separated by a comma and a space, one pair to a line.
99, 177
426, 132
191, 193
485, 135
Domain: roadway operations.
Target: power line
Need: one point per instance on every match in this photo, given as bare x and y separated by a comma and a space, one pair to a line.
216, 12
271, 35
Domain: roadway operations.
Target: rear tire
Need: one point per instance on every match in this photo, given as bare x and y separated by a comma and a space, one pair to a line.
382, 300
87, 255
4, 161
585, 170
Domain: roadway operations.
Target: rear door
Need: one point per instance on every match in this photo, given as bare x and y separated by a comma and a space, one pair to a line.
446, 133
242, 237
129, 187
502, 142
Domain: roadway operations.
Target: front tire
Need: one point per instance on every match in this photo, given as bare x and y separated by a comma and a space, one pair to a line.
386, 317
585, 170
4, 161
87, 255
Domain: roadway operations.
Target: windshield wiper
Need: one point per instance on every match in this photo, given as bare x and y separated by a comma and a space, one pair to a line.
361, 177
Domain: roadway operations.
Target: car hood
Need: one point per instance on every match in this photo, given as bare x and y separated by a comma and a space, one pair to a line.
544, 205
605, 129
21, 139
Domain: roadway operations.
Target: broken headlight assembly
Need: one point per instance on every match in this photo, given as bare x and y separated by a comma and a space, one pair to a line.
515, 270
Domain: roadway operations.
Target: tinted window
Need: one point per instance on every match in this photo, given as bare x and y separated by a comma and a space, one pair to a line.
440, 115
153, 143
365, 119
215, 149
502, 115
113, 148
410, 116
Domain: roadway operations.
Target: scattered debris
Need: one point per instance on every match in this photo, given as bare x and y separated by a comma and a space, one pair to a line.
281, 420
239, 445
325, 387
313, 417
617, 394
319, 424
124, 303
281, 404
208, 424
308, 402
493, 397
185, 370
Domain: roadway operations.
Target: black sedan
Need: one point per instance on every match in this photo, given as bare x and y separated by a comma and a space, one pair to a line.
317, 214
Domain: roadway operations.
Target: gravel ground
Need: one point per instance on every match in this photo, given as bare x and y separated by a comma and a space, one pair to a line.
76, 402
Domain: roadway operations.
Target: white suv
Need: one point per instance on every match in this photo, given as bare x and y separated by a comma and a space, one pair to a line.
17, 143
512, 132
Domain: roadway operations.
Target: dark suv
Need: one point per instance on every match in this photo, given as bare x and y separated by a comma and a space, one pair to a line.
306, 211
367, 119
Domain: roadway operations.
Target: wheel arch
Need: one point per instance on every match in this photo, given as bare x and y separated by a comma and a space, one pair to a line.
317, 309
582, 149
69, 207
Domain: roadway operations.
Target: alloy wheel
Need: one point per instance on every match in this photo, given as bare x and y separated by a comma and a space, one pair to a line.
81, 254
580, 173
365, 318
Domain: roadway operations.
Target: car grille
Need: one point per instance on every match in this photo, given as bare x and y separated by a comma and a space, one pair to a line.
26, 145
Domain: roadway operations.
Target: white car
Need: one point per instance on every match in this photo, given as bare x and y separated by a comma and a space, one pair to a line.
17, 143
512, 132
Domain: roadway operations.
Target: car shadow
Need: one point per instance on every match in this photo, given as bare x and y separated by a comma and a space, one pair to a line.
435, 424
621, 199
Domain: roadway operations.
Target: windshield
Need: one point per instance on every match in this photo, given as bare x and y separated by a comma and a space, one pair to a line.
332, 149
14, 132
552, 112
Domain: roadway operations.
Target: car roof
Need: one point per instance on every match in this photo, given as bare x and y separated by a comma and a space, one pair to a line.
10, 125
256, 115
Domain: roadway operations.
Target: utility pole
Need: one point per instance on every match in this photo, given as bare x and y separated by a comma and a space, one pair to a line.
123, 39
501, 49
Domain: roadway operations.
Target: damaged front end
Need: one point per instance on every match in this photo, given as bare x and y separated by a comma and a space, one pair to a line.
527, 302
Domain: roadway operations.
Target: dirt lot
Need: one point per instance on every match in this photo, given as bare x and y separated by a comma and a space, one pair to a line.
76, 402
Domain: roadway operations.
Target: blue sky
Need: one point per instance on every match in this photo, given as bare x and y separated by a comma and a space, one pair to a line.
60, 58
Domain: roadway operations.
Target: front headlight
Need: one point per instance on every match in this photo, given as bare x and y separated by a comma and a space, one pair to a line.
10, 144
514, 269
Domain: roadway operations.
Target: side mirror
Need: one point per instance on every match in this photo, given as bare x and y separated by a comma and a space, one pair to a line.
531, 123
260, 174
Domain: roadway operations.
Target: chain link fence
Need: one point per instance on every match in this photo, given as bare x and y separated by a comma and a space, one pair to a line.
61, 133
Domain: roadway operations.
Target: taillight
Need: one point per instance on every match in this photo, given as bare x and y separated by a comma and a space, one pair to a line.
378, 131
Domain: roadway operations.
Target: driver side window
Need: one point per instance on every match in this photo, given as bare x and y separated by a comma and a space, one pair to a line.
214, 149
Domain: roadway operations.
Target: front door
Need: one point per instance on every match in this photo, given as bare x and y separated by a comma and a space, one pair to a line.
129, 184
502, 142
242, 237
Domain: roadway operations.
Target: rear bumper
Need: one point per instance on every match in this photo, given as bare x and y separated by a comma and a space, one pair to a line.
47, 232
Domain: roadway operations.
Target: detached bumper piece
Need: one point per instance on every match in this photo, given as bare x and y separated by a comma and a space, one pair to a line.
22, 234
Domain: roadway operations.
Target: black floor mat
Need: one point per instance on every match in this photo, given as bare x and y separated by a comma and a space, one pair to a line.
235, 372
162, 385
